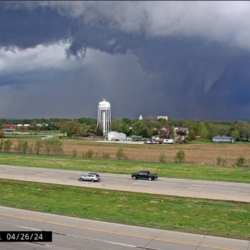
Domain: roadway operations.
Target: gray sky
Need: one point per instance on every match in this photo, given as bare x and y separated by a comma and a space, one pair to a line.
187, 60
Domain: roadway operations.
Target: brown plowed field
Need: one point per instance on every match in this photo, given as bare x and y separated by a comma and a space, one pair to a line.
203, 153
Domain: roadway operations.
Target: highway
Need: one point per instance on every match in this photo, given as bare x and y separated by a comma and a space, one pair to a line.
215, 190
75, 233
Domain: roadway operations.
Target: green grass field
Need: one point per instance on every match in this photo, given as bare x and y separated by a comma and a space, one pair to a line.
172, 170
227, 219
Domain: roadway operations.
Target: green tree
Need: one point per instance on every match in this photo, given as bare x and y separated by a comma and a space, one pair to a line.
172, 133
192, 135
244, 129
223, 129
51, 126
212, 130
162, 122
117, 125
139, 128
173, 123
88, 121
73, 127
126, 121
193, 127
203, 132
235, 134
121, 125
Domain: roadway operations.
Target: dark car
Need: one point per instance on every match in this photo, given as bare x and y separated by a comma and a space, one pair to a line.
146, 175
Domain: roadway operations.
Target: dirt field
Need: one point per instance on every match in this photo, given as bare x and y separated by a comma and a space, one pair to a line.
203, 153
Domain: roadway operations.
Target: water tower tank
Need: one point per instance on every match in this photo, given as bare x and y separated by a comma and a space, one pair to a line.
104, 116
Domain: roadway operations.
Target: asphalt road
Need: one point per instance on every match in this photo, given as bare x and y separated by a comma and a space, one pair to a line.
75, 233
167, 186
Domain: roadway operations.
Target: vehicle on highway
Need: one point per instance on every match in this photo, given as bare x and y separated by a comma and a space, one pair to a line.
146, 175
90, 177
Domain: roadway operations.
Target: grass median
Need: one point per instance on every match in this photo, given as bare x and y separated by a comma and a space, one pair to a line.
227, 219
172, 170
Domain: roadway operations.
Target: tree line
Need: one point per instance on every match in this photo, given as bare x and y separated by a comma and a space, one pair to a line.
206, 129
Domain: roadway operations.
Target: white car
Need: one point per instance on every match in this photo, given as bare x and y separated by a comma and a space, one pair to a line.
155, 138
150, 142
90, 177
168, 141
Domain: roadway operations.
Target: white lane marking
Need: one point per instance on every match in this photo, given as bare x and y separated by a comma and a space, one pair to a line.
30, 228
120, 244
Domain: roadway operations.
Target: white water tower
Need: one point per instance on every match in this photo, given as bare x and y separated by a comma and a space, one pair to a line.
104, 116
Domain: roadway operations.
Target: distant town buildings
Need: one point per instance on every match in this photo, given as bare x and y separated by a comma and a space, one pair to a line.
162, 117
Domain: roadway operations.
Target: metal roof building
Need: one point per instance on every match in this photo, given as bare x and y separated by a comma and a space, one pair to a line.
226, 139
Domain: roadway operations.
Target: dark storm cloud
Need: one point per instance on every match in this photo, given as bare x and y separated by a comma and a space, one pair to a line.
104, 39
28, 28
182, 59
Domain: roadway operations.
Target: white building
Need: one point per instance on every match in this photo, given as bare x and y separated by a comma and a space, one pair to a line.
162, 117
112, 136
140, 118
104, 116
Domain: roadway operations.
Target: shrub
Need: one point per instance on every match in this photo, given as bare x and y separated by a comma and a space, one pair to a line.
74, 153
31, 149
119, 153
53, 146
96, 154
1, 145
89, 153
18, 147
2, 134
47, 146
221, 161
240, 161
24, 147
105, 155
162, 157
180, 156
6, 146
38, 146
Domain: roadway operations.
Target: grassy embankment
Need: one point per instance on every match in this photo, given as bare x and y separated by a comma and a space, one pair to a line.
228, 219
172, 170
